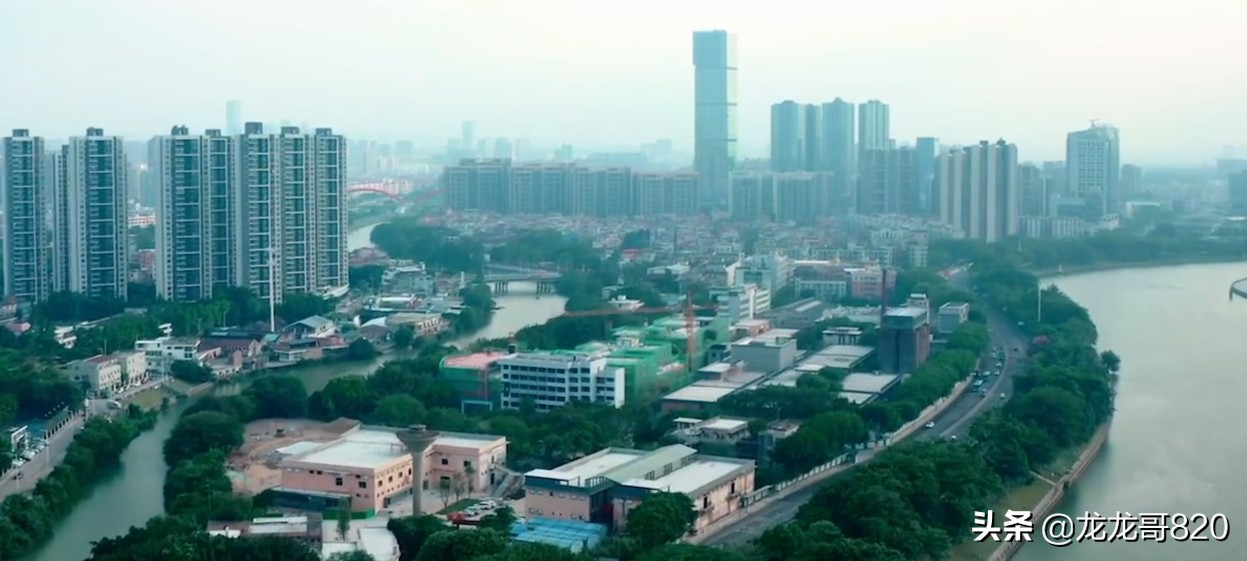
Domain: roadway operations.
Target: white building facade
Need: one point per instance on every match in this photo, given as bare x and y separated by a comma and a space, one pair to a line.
552, 380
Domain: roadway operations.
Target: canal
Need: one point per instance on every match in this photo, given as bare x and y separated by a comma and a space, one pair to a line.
1173, 447
132, 495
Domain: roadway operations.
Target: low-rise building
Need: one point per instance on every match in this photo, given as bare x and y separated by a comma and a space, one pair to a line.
105, 375
950, 317
718, 430
553, 379
605, 486
162, 352
315, 327
370, 467
842, 336
304, 528
770, 351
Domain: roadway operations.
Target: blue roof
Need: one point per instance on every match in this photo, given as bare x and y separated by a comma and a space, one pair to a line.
574, 535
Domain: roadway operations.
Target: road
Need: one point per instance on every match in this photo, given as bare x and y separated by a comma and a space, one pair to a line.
955, 420
23, 479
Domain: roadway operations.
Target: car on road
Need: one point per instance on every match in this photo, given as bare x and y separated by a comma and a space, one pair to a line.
930, 425
1004, 396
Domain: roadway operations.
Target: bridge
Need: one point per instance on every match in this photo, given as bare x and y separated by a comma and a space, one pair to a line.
500, 278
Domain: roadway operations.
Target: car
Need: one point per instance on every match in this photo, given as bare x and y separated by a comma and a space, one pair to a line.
1004, 396
930, 425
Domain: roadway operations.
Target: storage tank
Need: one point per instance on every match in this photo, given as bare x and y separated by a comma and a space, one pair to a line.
417, 439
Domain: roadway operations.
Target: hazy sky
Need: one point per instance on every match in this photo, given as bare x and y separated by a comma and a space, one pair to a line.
1170, 75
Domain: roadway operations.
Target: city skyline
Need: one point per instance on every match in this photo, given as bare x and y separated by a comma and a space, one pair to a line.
638, 90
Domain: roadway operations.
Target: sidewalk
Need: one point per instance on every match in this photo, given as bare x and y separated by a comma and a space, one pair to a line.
25, 478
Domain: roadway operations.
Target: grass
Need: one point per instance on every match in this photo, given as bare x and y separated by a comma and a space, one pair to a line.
148, 399
458, 505
1021, 498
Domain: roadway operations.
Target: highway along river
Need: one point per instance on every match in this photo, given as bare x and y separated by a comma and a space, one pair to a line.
1175, 445
133, 495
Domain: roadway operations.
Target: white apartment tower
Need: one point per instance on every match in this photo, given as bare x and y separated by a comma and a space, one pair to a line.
979, 190
180, 162
95, 181
25, 187
290, 216
553, 380
1093, 168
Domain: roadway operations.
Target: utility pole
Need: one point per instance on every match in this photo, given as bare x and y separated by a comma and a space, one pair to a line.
1039, 306
272, 289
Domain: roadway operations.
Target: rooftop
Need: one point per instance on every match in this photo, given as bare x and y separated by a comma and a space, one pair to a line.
474, 361
466, 440
700, 393
650, 463
692, 477
868, 383
363, 448
597, 464
905, 311
954, 305
724, 424
568, 534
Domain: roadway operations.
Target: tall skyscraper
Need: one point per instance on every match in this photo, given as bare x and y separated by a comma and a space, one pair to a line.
874, 130
714, 126
1131, 181
788, 136
1033, 191
95, 209
838, 141
812, 148
233, 117
26, 190
888, 182
979, 192
1093, 168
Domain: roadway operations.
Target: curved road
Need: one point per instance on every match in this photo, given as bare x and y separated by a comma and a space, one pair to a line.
953, 421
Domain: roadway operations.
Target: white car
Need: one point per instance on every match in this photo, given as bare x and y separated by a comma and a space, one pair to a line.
930, 425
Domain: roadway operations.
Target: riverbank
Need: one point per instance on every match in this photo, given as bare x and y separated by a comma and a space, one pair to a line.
371, 221
1155, 263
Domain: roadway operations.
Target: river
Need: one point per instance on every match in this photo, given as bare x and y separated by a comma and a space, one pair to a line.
1172, 447
132, 495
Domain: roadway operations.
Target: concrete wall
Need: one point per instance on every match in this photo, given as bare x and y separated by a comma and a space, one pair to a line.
443, 461
1050, 501
722, 501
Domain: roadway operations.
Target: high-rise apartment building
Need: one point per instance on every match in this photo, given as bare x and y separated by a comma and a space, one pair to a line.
257, 210
95, 211
467, 135
181, 163
233, 117
979, 192
1093, 169
799, 197
874, 130
926, 150
787, 136
568, 189
714, 126
837, 134
26, 189
888, 182
1131, 181
1033, 191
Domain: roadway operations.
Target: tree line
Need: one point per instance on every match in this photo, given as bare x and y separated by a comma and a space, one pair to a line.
28, 520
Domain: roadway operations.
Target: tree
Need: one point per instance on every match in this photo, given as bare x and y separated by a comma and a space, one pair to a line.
661, 518
357, 555
344, 519
500, 520
361, 349
1111, 361
412, 531
278, 397
348, 396
469, 479
191, 372
445, 490
296, 306
459, 484
201, 433
446, 546
404, 337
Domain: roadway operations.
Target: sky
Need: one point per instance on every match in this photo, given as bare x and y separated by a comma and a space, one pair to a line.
1169, 75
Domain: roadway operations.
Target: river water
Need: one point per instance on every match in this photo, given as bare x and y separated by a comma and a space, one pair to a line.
133, 495
1172, 447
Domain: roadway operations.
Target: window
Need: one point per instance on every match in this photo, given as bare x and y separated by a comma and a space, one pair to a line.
337, 481
705, 501
363, 484
445, 462
467, 463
